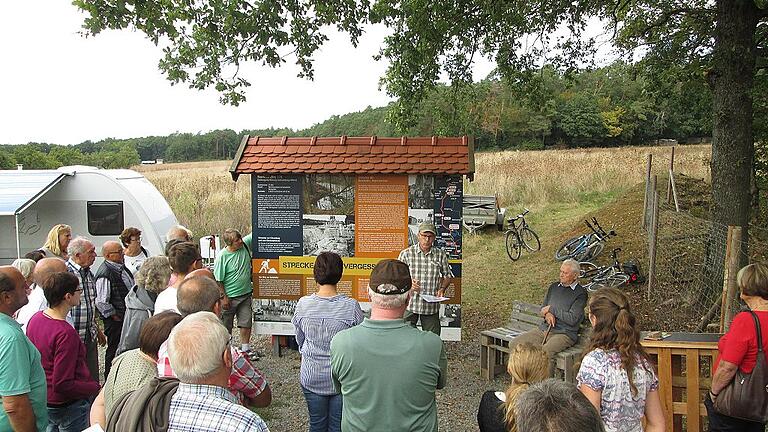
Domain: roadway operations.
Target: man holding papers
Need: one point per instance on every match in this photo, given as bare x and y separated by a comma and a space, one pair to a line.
431, 275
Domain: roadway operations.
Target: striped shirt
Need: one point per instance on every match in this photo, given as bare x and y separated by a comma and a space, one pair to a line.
429, 269
84, 315
207, 408
317, 320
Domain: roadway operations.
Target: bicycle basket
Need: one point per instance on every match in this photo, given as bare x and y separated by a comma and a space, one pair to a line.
632, 268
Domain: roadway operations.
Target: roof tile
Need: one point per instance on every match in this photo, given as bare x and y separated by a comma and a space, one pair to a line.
370, 155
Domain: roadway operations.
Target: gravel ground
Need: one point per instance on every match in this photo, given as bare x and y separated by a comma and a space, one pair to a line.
456, 404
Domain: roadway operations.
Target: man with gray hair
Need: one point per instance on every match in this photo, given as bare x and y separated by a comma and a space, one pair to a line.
177, 234
562, 313
556, 406
386, 370
199, 350
82, 254
201, 294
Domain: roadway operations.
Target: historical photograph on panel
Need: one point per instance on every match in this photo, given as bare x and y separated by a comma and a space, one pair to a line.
273, 310
450, 315
416, 217
329, 233
329, 194
448, 201
420, 189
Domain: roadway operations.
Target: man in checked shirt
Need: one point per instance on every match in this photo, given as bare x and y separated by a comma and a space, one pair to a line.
82, 254
430, 274
201, 294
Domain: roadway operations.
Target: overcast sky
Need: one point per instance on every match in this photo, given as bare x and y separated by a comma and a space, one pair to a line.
59, 87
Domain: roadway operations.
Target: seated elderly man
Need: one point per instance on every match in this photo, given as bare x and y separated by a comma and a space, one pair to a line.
562, 311
199, 350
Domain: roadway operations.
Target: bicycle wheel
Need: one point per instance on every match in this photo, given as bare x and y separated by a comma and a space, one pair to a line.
530, 240
569, 248
612, 281
514, 246
594, 251
587, 270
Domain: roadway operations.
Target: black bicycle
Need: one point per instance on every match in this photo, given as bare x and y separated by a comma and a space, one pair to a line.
519, 235
587, 246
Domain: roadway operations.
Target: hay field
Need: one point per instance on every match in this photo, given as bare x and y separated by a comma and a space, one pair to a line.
537, 179
205, 199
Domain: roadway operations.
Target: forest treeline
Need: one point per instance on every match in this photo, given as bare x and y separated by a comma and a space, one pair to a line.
610, 106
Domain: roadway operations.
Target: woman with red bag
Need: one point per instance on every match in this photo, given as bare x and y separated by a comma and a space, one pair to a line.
738, 347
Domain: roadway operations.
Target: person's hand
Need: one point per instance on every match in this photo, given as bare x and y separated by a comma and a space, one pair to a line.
415, 285
550, 319
100, 338
225, 303
544, 311
441, 292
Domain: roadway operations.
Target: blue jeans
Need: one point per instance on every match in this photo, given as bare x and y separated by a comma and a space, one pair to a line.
71, 418
324, 411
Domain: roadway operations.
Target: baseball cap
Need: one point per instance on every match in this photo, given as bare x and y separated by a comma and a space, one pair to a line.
393, 272
427, 227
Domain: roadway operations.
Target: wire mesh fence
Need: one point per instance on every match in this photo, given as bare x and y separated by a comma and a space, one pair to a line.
691, 265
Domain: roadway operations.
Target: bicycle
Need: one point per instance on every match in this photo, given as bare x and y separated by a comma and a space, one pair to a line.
587, 246
519, 235
610, 276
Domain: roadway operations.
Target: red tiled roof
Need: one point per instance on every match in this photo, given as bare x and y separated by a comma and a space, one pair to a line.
354, 155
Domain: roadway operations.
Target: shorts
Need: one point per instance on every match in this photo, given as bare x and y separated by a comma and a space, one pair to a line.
242, 307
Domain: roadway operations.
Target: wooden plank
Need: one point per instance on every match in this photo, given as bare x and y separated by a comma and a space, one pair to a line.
693, 393
665, 385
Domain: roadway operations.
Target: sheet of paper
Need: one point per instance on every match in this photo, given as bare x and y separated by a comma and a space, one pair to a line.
433, 299
94, 428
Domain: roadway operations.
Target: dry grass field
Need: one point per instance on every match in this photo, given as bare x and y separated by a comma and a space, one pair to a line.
204, 197
538, 178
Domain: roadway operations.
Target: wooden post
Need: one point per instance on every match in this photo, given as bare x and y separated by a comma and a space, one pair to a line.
730, 290
648, 163
673, 186
654, 228
671, 170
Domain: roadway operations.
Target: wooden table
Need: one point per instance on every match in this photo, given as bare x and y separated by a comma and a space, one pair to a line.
685, 364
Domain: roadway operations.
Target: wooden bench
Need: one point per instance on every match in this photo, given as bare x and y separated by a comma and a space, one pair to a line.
494, 343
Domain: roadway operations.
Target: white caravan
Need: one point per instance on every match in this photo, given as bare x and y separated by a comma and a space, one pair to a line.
98, 204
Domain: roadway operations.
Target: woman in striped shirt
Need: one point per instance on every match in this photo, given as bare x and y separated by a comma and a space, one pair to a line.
318, 318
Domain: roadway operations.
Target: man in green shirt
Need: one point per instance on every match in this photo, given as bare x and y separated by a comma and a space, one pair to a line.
232, 270
386, 370
22, 379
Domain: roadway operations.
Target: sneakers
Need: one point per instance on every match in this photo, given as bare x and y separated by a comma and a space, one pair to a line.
251, 355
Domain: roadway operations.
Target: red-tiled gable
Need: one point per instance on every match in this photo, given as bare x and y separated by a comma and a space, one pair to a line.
354, 155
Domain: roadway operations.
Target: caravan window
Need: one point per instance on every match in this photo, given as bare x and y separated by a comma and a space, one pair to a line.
105, 217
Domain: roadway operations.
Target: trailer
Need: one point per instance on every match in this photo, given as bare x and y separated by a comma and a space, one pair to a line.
480, 211
97, 203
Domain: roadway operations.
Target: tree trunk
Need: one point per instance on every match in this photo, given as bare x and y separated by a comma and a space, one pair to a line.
731, 80
732, 138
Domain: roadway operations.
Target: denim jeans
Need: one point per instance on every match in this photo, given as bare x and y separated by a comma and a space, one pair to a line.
324, 411
71, 418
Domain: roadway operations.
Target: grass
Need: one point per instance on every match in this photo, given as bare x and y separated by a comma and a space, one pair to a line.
561, 187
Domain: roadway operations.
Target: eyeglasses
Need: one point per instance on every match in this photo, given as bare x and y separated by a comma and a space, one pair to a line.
78, 290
